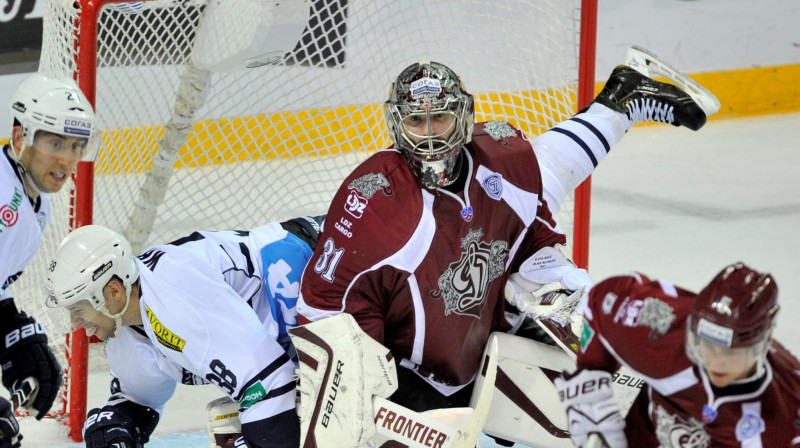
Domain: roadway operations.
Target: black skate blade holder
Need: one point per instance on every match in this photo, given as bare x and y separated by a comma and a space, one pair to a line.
648, 64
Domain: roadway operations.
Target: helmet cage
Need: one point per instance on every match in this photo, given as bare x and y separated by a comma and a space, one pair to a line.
427, 91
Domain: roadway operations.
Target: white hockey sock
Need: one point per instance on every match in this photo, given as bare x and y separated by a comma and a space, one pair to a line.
569, 152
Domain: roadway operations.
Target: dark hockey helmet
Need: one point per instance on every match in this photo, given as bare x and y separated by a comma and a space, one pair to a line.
430, 117
737, 309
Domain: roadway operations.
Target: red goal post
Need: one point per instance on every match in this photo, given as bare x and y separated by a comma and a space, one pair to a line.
189, 139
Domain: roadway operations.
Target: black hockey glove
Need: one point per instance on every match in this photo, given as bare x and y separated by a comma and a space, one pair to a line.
125, 425
9, 428
24, 353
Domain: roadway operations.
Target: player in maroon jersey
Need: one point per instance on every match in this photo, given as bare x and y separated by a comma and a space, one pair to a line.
421, 238
715, 376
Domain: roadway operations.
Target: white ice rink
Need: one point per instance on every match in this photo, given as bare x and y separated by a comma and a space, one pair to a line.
674, 204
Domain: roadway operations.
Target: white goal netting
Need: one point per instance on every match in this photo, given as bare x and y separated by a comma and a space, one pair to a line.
191, 139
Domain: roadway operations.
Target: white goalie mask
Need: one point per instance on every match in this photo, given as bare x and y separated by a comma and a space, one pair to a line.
430, 117
54, 105
87, 259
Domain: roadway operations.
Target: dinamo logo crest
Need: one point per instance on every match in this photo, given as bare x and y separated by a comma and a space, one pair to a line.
673, 431
466, 282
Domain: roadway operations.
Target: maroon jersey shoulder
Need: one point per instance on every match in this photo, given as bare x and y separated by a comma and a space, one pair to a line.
379, 199
501, 147
643, 322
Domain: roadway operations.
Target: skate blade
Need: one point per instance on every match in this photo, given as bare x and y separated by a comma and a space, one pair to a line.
648, 64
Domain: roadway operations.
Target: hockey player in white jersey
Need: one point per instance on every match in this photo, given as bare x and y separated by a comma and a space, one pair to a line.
50, 134
211, 307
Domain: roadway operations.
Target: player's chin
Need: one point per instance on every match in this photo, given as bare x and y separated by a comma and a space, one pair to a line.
719, 379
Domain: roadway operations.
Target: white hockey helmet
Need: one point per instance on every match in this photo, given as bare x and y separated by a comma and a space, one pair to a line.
55, 105
85, 261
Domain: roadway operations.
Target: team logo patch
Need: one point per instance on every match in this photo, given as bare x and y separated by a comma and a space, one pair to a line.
355, 204
656, 315
673, 431
467, 214
466, 282
499, 129
750, 425
163, 335
368, 184
9, 213
493, 185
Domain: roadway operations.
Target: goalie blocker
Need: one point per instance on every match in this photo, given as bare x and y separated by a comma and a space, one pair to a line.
345, 378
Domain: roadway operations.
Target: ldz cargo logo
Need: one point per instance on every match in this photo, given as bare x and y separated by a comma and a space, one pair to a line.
165, 337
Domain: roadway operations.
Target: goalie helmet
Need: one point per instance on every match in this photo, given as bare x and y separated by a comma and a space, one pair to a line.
85, 261
432, 97
736, 310
55, 105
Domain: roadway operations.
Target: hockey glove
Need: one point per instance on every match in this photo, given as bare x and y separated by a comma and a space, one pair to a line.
588, 399
126, 425
9, 428
24, 353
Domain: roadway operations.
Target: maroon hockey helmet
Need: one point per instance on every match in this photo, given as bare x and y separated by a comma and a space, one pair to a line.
738, 307
423, 93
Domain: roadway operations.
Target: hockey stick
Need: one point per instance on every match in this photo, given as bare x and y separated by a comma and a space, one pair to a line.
443, 428
647, 63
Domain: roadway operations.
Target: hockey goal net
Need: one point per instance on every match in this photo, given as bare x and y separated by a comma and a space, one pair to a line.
232, 113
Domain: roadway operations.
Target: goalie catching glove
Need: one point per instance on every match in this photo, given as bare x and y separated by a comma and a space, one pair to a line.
24, 353
121, 425
588, 399
548, 289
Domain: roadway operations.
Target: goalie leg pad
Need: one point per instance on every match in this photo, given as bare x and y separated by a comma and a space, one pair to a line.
341, 368
525, 407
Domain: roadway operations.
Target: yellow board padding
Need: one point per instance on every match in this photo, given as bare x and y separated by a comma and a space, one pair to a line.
314, 133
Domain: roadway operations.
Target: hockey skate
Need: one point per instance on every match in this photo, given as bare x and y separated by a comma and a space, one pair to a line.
631, 90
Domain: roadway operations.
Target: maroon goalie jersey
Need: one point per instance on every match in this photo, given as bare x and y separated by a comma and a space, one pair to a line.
421, 271
640, 323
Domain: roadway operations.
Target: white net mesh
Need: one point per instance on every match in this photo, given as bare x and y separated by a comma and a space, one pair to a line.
183, 148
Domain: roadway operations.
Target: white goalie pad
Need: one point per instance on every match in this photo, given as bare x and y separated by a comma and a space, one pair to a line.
648, 64
341, 369
526, 408
398, 426
240, 34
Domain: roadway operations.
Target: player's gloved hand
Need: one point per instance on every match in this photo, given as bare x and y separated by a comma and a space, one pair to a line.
9, 428
548, 286
125, 426
24, 353
588, 399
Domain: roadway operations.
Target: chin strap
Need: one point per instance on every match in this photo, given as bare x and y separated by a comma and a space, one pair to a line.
118, 317
22, 170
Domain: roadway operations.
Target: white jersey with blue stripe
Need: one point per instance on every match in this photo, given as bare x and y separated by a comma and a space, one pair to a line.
216, 307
